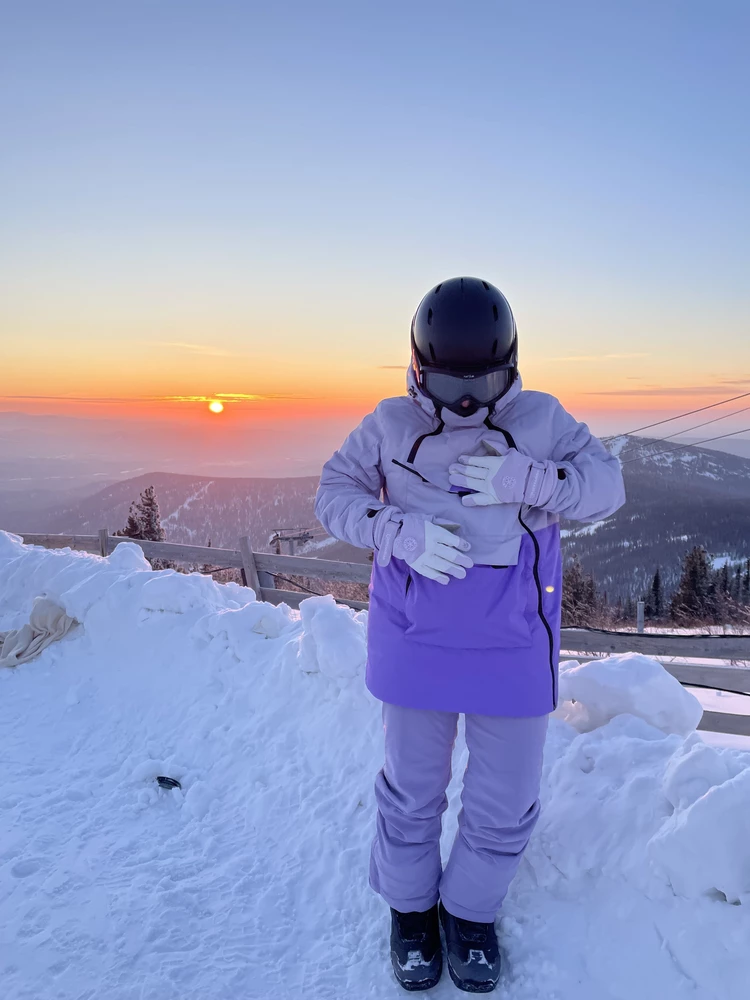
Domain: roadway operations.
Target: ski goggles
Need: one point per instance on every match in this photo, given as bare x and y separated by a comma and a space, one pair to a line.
450, 387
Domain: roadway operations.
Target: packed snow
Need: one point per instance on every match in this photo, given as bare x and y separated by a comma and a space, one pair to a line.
250, 880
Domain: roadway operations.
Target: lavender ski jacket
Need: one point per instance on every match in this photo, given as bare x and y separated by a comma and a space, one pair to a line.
487, 644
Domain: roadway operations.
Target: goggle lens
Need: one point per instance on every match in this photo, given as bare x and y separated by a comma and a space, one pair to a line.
483, 387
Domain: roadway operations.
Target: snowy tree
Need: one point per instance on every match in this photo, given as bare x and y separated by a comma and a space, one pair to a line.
144, 520
134, 527
148, 509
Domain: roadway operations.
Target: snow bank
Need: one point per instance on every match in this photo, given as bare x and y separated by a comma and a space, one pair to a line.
250, 880
628, 684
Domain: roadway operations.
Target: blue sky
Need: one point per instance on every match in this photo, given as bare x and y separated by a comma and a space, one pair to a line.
283, 182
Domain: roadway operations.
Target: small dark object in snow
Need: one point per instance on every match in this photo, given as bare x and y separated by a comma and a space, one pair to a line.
165, 782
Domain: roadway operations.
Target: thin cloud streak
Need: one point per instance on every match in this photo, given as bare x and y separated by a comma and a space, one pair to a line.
688, 390
230, 397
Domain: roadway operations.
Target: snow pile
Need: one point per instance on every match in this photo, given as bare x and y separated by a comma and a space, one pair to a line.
703, 847
250, 880
629, 684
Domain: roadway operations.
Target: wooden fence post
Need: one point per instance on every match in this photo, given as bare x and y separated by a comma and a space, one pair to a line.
249, 569
641, 619
103, 541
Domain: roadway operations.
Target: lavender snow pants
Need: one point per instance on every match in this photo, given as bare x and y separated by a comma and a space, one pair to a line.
499, 809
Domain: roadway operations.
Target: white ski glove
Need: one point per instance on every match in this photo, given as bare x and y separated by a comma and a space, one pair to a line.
433, 550
503, 476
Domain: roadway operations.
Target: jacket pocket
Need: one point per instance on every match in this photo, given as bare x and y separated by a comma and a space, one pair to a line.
489, 608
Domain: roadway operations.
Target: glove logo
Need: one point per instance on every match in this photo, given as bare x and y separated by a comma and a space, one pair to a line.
409, 544
508, 482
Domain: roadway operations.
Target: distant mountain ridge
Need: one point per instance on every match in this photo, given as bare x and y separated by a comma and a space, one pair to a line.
196, 510
689, 496
676, 499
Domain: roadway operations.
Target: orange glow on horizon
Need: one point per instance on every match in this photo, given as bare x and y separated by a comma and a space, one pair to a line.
611, 399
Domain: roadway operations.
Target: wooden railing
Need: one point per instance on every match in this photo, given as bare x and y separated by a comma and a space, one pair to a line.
258, 568
687, 657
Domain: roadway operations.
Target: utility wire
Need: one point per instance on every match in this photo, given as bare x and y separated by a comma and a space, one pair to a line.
689, 413
651, 441
695, 444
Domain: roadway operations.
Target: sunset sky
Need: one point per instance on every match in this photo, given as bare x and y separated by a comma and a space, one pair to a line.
249, 199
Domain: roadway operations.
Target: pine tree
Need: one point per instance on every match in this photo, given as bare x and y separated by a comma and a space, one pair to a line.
737, 585
580, 601
134, 527
591, 598
144, 521
695, 597
648, 609
148, 510
657, 595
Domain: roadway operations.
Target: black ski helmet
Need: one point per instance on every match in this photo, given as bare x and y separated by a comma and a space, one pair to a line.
464, 344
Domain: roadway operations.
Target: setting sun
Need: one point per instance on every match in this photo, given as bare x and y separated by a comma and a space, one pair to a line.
216, 407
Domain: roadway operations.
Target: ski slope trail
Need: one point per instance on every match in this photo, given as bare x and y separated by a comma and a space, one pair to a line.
250, 881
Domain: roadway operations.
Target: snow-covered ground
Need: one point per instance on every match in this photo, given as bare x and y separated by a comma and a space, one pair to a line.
251, 881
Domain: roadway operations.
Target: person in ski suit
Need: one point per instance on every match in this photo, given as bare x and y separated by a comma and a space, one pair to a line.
458, 488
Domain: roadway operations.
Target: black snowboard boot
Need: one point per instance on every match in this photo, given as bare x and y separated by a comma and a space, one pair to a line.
416, 952
472, 952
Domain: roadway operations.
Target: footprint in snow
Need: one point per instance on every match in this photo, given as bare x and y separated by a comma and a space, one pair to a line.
26, 867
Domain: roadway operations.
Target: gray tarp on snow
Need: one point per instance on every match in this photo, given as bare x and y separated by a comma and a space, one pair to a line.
47, 623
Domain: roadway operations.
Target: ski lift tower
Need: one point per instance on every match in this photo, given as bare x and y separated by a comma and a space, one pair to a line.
291, 536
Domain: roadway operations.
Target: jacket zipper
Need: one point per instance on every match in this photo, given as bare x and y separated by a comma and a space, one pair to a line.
547, 626
535, 570
537, 551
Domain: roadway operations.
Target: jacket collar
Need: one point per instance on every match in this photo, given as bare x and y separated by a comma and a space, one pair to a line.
451, 419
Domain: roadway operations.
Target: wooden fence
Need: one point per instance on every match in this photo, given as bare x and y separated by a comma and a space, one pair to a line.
687, 657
